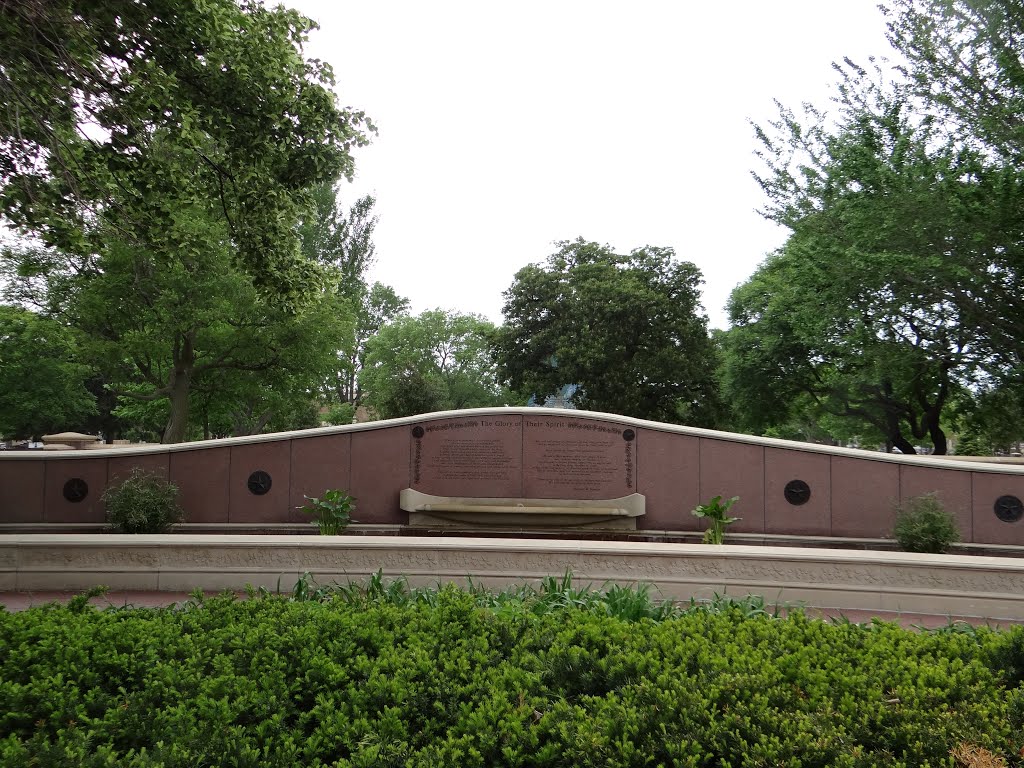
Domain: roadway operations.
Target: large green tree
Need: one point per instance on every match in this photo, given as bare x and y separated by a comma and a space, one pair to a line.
900, 285
375, 306
434, 361
42, 380
118, 115
855, 354
626, 329
343, 240
167, 328
963, 63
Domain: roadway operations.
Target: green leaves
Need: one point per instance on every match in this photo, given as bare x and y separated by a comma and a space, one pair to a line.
187, 105
435, 361
332, 510
716, 511
42, 377
896, 290
371, 675
143, 502
627, 330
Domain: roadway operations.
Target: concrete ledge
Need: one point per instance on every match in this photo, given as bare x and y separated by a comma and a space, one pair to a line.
955, 585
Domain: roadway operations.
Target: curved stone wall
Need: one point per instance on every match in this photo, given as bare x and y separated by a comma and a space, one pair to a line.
784, 487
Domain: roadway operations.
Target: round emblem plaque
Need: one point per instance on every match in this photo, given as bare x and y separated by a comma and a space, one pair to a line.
259, 482
75, 490
628, 435
797, 492
417, 432
1009, 509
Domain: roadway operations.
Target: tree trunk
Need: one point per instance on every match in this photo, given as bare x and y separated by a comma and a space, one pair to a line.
903, 445
177, 422
180, 386
938, 437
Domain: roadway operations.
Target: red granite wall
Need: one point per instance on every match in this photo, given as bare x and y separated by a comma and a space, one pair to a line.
528, 453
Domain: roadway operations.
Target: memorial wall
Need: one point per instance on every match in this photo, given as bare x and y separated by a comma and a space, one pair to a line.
544, 464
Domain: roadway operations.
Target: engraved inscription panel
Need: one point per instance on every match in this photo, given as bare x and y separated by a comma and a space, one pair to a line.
568, 458
478, 456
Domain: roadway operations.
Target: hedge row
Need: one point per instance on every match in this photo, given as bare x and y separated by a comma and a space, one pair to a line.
451, 679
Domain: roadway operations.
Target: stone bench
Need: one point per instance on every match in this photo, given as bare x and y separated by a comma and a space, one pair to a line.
426, 511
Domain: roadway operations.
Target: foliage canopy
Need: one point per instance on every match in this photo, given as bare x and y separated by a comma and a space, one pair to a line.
627, 329
438, 360
119, 115
899, 289
42, 379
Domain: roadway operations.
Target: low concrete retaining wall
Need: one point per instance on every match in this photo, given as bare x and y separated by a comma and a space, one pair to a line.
956, 585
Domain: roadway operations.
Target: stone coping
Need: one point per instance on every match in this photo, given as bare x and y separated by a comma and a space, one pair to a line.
926, 461
941, 585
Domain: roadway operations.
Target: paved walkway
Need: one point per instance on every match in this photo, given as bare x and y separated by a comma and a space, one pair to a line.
19, 601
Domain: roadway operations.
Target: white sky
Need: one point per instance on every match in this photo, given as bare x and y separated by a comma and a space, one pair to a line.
507, 126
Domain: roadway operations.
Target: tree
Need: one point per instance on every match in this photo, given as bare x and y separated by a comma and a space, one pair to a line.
990, 420
42, 383
434, 361
818, 339
963, 64
901, 232
119, 115
626, 329
184, 326
343, 240
376, 306
963, 61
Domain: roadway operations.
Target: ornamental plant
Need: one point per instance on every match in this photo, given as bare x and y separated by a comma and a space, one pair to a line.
332, 510
922, 524
144, 503
716, 511
548, 677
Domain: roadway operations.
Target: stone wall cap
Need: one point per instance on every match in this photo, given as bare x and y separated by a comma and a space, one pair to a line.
938, 462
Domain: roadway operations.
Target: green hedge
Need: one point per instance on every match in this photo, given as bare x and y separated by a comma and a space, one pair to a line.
453, 678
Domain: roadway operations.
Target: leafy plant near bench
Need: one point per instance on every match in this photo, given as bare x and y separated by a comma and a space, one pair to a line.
716, 511
144, 503
369, 677
332, 510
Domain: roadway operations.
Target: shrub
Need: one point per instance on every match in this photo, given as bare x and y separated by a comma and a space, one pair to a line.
377, 677
924, 525
333, 511
143, 503
716, 510
972, 444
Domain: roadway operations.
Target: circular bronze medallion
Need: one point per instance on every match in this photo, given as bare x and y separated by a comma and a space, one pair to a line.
797, 492
259, 482
628, 435
1008, 509
417, 432
75, 490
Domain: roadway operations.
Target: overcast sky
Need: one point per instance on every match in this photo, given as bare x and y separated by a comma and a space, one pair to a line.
504, 127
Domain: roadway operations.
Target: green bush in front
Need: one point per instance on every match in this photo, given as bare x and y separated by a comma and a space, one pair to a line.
144, 503
380, 675
924, 525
